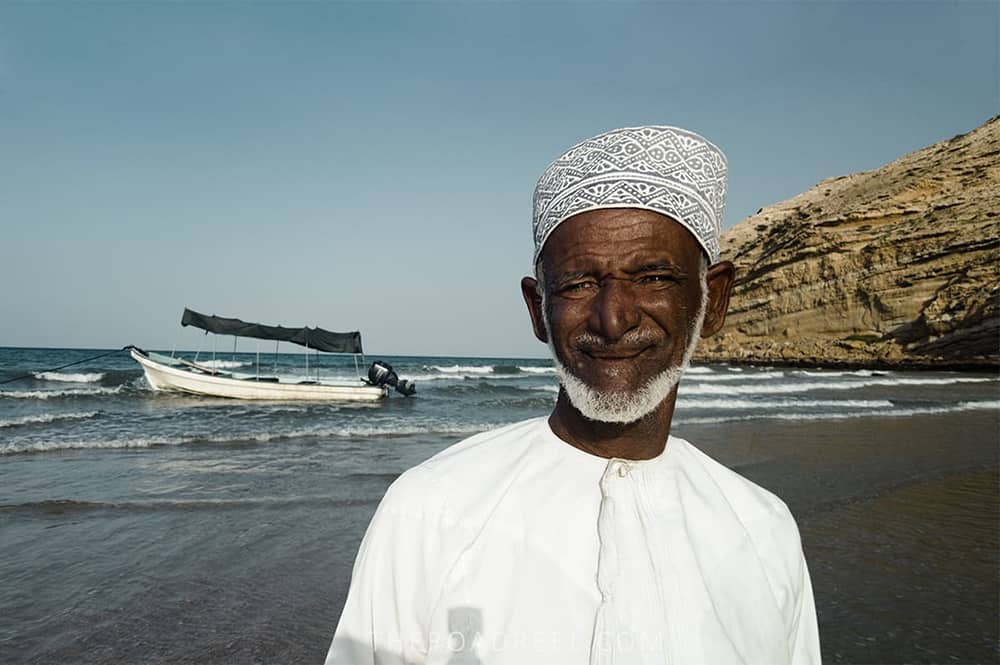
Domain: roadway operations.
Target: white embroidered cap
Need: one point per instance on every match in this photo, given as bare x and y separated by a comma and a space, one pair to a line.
668, 170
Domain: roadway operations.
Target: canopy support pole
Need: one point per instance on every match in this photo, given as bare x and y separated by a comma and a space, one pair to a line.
201, 342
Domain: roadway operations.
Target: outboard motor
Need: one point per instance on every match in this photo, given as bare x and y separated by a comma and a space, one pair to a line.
381, 374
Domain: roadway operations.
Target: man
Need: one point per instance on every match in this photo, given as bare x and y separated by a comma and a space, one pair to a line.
593, 535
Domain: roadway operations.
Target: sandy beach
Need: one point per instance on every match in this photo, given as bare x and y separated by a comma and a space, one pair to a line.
899, 522
903, 558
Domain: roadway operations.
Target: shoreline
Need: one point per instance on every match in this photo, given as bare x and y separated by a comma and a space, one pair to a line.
983, 366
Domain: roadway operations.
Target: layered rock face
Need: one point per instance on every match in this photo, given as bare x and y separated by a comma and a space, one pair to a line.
896, 266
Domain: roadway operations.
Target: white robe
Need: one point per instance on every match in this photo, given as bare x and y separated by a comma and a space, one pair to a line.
514, 548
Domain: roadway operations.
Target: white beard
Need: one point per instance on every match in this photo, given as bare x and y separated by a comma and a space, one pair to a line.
627, 407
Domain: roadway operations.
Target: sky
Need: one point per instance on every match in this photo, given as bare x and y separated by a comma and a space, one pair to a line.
369, 166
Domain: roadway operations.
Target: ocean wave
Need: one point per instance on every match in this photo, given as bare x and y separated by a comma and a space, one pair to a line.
419, 378
46, 418
461, 372
346, 432
62, 506
847, 415
483, 388
806, 386
46, 446
822, 373
357, 431
747, 376
122, 377
54, 506
461, 369
533, 403
699, 369
92, 377
68, 392
727, 404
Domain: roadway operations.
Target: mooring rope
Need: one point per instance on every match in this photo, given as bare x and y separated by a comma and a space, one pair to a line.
31, 375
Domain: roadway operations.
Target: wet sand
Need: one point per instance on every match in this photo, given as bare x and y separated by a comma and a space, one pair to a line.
899, 520
910, 576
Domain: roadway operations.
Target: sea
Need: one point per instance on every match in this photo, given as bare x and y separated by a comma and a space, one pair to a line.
142, 526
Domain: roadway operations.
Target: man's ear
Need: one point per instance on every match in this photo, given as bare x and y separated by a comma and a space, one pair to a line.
529, 289
720, 279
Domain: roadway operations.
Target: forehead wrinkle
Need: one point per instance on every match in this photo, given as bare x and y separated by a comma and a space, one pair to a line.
600, 263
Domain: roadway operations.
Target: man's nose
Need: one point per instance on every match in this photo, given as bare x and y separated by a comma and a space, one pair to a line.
614, 311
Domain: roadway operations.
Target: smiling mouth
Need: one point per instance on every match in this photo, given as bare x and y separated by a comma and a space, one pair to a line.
613, 354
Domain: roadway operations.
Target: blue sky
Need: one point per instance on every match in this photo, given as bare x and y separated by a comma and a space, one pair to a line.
370, 165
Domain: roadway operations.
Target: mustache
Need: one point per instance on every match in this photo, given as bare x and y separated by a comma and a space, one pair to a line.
634, 340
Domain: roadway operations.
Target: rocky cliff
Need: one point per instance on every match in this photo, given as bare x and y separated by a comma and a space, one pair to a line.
896, 266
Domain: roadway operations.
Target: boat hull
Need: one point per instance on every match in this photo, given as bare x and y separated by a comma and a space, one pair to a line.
166, 378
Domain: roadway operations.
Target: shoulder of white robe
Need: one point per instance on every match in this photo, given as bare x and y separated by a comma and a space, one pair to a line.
747, 546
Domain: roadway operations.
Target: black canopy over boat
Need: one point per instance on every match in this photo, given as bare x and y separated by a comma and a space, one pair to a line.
312, 338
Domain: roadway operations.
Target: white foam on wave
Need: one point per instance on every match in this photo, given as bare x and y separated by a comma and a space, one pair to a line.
699, 369
684, 403
463, 369
824, 373
537, 370
46, 418
748, 376
885, 413
806, 386
46, 446
346, 432
68, 392
92, 377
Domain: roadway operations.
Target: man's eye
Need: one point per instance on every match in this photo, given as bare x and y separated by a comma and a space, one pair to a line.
577, 287
656, 279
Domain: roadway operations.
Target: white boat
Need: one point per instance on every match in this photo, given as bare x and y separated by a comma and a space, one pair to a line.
169, 373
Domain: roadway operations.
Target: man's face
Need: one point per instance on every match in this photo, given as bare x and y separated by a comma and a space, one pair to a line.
622, 297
